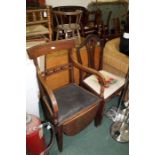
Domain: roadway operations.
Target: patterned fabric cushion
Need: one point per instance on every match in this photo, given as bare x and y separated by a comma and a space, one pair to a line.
115, 82
36, 29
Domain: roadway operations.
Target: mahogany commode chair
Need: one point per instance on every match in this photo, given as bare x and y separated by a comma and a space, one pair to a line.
69, 108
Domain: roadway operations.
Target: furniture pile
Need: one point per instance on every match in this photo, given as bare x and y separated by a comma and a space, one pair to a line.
72, 106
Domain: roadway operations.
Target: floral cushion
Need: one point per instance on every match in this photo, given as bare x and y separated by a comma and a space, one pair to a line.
113, 83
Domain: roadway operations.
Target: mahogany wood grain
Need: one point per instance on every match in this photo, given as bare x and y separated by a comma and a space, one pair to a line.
56, 67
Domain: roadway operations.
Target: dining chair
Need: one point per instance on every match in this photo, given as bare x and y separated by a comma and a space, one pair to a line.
68, 23
70, 108
113, 84
38, 23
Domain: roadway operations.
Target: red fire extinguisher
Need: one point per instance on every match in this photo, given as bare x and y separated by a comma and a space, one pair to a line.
35, 142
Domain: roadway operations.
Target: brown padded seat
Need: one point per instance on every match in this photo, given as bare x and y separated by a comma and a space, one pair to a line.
73, 94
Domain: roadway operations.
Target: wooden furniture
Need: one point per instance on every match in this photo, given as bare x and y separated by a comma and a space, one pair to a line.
112, 83
38, 23
68, 23
69, 8
34, 3
117, 18
69, 108
92, 23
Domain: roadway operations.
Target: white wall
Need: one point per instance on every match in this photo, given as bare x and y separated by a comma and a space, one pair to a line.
55, 3
84, 3
32, 90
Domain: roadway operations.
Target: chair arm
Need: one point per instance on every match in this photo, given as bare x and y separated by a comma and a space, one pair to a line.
89, 70
52, 98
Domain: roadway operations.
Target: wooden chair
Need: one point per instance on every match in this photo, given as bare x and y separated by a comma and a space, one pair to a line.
38, 23
112, 83
69, 108
68, 23
105, 27
92, 23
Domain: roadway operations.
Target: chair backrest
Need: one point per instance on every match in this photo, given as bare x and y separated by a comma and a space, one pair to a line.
68, 17
71, 8
94, 48
38, 16
51, 48
41, 15
44, 50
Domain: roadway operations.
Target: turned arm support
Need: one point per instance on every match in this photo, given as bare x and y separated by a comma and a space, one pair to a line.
53, 112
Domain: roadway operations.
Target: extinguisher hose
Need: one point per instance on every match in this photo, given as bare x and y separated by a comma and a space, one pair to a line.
51, 128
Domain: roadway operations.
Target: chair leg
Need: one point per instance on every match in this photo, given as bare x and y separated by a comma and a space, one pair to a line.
73, 34
79, 37
66, 35
59, 137
99, 115
57, 35
50, 36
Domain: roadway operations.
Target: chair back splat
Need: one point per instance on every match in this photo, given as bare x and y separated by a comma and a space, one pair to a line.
94, 57
70, 108
50, 48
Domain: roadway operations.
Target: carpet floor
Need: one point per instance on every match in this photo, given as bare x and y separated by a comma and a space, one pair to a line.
92, 140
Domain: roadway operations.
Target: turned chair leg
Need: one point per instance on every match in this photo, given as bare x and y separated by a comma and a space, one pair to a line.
59, 137
57, 35
99, 115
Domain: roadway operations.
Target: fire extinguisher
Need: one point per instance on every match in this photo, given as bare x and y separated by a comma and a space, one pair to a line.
35, 141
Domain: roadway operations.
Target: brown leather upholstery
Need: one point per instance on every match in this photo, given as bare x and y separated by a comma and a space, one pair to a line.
74, 98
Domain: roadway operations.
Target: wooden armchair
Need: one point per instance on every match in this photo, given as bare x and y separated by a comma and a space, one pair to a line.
112, 83
38, 23
70, 108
